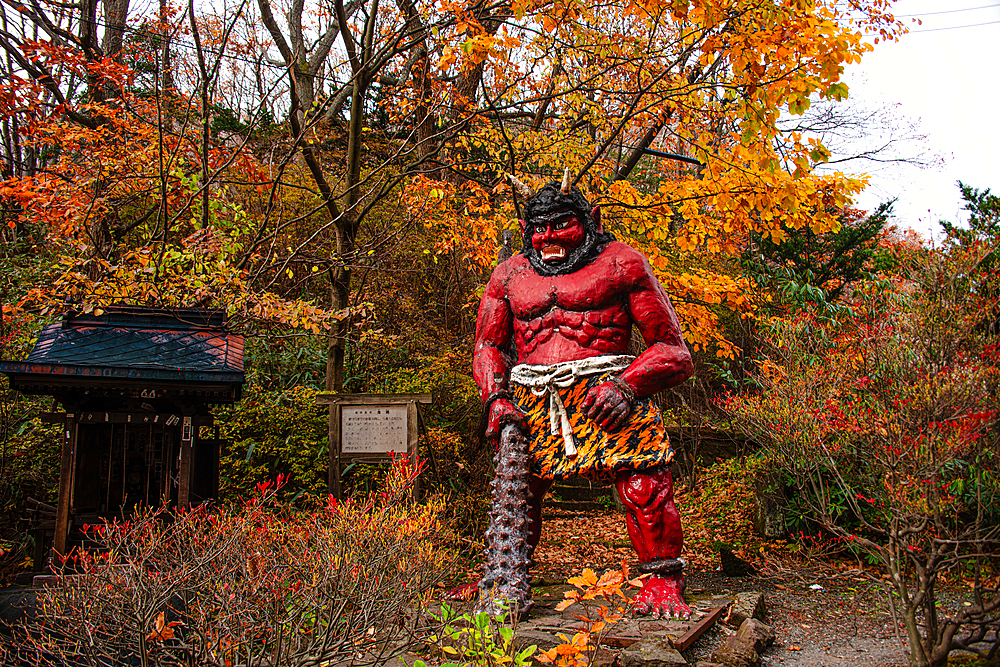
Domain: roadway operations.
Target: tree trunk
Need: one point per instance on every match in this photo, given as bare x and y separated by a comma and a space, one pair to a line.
167, 67
340, 294
115, 14
922, 639
347, 222
206, 129
88, 42
426, 120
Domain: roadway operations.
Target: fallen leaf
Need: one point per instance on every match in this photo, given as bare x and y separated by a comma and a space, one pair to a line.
588, 578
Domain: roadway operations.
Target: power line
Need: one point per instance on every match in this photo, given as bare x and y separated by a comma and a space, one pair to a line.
947, 11
956, 27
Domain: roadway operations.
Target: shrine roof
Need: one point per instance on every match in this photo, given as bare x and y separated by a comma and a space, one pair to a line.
136, 344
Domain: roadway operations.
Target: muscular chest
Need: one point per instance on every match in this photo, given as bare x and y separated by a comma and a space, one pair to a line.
531, 296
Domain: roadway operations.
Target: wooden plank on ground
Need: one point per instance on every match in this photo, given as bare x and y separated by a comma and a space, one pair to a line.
698, 629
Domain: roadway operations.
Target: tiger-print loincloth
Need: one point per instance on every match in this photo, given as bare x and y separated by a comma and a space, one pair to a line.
639, 443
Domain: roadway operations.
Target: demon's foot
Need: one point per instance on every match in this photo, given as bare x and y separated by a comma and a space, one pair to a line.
663, 597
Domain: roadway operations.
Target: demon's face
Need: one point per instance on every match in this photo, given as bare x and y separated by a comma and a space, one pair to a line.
561, 233
556, 236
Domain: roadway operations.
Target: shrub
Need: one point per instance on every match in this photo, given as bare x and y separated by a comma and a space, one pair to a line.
272, 432
721, 508
29, 450
885, 419
255, 584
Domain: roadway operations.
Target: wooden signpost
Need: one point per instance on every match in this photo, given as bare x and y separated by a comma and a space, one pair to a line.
370, 428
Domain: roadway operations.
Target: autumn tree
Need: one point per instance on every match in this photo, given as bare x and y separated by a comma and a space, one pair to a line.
984, 217
815, 269
140, 196
982, 232
272, 161
194, 211
882, 421
472, 91
668, 113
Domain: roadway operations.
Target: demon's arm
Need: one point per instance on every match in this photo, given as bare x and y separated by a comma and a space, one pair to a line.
665, 363
494, 328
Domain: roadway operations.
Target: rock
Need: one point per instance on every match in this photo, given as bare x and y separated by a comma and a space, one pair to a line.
757, 633
546, 598
17, 603
543, 640
744, 648
733, 565
545, 624
736, 655
702, 663
602, 658
45, 580
619, 641
651, 652
746, 605
576, 609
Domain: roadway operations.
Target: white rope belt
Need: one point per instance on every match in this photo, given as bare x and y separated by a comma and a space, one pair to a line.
542, 379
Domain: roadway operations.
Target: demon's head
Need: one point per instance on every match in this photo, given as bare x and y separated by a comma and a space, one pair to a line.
561, 232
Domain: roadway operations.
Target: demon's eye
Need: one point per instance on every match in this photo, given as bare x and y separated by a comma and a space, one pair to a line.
562, 224
539, 229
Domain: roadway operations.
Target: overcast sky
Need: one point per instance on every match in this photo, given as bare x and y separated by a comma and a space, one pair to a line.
946, 80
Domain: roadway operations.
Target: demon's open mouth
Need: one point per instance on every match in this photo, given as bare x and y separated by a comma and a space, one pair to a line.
553, 252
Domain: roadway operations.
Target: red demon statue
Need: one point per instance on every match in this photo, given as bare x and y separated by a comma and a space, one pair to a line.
553, 327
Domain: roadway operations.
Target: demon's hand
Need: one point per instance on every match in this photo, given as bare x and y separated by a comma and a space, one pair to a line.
502, 411
608, 404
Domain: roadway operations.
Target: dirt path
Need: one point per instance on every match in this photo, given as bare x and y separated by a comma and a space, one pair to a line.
823, 613
844, 622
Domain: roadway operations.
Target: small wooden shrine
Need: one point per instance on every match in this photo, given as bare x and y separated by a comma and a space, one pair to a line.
135, 385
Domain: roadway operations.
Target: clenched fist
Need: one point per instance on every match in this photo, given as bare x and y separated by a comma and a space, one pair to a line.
502, 411
607, 405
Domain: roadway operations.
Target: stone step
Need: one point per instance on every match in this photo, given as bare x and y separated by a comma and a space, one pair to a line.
575, 506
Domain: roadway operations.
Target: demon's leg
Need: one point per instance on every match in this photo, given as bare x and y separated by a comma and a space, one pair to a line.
654, 526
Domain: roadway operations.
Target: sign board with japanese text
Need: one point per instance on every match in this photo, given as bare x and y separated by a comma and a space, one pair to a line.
373, 429
370, 428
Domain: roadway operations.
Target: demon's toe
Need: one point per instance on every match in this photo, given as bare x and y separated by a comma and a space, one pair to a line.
663, 597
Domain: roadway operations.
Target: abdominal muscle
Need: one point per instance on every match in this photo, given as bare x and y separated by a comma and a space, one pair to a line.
561, 341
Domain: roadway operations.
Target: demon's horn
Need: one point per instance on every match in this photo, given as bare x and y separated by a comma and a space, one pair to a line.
522, 190
567, 181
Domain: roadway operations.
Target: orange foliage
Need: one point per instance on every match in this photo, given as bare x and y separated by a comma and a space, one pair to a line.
714, 75
551, 84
